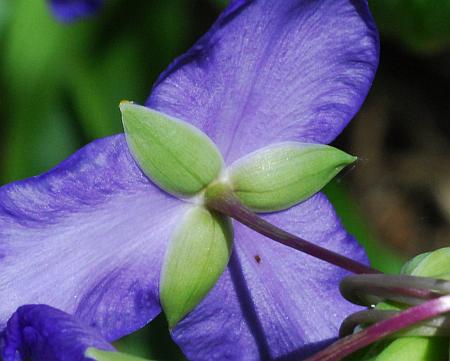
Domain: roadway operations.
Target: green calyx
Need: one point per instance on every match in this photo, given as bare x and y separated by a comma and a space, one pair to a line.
281, 175
174, 154
100, 355
183, 161
198, 254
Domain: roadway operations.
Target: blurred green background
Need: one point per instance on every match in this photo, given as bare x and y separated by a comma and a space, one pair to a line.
60, 86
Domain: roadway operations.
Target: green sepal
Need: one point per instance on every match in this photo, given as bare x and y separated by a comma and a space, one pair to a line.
281, 175
434, 264
198, 254
409, 267
174, 154
100, 355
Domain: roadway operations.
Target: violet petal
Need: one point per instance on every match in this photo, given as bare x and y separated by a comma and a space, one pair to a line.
273, 302
72, 10
43, 333
271, 71
88, 237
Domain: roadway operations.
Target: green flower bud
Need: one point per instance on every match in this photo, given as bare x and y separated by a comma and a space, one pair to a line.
281, 175
434, 264
409, 267
198, 254
174, 154
101, 355
415, 349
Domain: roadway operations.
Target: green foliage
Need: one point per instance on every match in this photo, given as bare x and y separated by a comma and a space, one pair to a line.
422, 25
381, 257
151, 342
101, 355
34, 42
62, 81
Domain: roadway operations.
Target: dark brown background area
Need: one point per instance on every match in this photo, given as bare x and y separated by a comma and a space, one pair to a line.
401, 135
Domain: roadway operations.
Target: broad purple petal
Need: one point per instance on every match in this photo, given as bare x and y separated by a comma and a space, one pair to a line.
43, 333
71, 10
272, 71
88, 238
274, 303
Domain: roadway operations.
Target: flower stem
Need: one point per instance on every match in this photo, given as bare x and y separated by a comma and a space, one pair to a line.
222, 199
367, 290
437, 326
348, 345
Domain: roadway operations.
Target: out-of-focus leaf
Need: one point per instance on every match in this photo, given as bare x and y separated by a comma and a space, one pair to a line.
100, 355
381, 257
422, 25
36, 147
34, 62
220, 4
5, 13
37, 47
152, 342
126, 64
98, 87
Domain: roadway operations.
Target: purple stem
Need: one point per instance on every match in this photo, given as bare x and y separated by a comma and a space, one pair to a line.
406, 289
348, 345
220, 198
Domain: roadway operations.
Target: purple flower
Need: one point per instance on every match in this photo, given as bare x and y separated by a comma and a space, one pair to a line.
89, 236
72, 10
42, 333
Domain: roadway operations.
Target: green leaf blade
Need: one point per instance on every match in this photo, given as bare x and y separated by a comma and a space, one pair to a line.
174, 154
197, 256
279, 176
